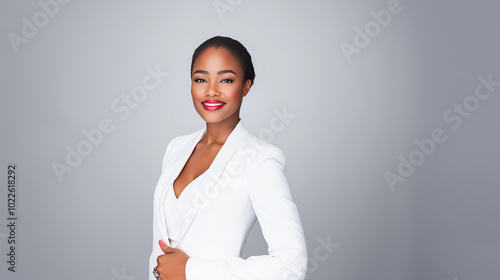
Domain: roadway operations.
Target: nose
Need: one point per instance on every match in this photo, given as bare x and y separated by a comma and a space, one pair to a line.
212, 90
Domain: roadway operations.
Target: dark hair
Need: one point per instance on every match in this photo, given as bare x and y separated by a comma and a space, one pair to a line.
234, 47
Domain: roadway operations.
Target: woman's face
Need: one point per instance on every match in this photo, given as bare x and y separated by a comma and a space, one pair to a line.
218, 86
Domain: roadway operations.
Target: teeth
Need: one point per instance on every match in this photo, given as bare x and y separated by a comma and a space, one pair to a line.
213, 104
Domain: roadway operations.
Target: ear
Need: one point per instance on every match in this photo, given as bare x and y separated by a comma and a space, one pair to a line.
246, 87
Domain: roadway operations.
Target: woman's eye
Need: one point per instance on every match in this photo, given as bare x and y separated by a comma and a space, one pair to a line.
226, 81
199, 80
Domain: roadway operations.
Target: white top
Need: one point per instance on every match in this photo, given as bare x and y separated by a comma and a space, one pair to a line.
176, 208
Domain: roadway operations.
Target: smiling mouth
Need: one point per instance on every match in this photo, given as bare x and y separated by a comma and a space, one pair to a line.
212, 105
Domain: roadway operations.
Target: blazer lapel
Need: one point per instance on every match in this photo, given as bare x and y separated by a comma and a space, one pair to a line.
209, 180
170, 174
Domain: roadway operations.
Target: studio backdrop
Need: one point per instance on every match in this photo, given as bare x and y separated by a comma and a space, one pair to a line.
387, 112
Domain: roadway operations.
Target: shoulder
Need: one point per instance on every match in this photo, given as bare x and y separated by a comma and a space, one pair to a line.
258, 151
179, 144
183, 139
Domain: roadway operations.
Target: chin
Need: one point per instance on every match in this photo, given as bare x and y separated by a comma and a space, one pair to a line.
215, 116
212, 119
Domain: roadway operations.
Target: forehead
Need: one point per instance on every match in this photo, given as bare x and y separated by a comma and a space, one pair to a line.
217, 59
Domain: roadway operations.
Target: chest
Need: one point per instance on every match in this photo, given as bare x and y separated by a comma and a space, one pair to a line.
199, 162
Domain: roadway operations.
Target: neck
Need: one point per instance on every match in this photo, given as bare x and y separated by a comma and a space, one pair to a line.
217, 133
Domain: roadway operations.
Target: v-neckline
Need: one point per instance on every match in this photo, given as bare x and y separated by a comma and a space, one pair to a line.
190, 183
187, 159
211, 164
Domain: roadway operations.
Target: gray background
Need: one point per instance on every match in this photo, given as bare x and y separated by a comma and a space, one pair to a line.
352, 120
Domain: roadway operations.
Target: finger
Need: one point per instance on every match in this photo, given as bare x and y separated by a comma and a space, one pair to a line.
164, 247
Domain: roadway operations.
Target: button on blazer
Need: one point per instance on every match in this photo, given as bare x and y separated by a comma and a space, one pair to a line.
246, 181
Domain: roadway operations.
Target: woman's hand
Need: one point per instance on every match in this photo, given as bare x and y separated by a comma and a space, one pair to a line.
172, 264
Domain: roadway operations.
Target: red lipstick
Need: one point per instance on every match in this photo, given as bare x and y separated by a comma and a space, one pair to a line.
212, 105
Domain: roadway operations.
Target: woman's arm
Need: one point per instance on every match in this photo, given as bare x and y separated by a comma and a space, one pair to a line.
281, 228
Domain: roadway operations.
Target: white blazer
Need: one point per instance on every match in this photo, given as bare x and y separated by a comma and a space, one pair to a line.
245, 181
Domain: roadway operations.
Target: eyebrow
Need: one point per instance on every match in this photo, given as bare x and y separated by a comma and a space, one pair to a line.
218, 73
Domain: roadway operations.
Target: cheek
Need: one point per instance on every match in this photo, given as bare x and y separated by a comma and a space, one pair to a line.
234, 92
196, 92
235, 96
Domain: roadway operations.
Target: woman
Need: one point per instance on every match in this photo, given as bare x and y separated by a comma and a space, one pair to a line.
217, 181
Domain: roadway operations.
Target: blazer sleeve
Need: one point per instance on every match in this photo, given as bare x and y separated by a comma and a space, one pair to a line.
281, 228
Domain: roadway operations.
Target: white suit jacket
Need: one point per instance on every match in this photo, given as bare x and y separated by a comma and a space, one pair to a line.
245, 181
